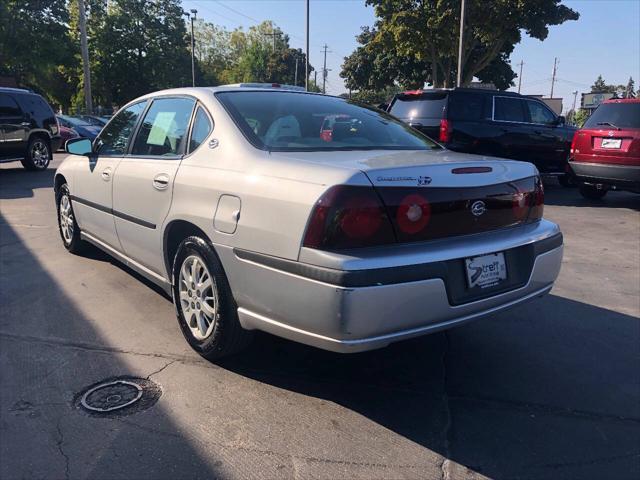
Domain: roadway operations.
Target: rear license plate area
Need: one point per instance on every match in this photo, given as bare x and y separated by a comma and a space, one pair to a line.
486, 271
611, 143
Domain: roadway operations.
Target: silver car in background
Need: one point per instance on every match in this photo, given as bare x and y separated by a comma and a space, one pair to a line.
306, 216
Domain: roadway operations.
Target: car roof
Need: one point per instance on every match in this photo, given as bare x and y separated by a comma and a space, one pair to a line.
483, 91
17, 90
622, 100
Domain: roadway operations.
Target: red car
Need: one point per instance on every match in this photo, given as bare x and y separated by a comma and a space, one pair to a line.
605, 153
67, 134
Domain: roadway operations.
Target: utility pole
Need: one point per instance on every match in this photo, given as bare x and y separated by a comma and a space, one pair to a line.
573, 109
192, 17
306, 60
553, 76
520, 76
295, 81
324, 70
273, 35
84, 49
315, 78
460, 45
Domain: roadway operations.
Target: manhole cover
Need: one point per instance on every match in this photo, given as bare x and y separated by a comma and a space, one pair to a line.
119, 396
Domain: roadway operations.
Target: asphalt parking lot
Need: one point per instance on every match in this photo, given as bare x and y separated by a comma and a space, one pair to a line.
548, 390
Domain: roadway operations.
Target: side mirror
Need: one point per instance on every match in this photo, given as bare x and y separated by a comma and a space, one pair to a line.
560, 120
79, 146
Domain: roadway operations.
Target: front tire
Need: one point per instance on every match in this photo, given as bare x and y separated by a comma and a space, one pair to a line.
38, 154
590, 192
205, 307
67, 225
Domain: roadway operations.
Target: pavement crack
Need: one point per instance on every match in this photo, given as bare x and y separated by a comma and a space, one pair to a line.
104, 349
59, 444
161, 369
446, 432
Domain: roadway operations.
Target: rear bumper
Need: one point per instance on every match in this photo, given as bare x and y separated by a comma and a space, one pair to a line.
607, 173
357, 310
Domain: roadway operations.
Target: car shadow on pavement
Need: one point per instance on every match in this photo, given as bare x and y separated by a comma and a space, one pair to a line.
49, 352
20, 183
546, 390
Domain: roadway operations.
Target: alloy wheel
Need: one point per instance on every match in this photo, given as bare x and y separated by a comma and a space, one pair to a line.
198, 297
40, 154
66, 219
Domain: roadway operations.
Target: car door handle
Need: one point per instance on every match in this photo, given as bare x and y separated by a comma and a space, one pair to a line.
161, 181
25, 124
106, 174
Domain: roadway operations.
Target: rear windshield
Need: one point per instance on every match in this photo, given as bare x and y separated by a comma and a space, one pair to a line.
290, 122
623, 115
419, 106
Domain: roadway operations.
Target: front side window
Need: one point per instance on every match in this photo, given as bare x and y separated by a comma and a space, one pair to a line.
164, 128
201, 129
289, 121
508, 109
538, 113
114, 138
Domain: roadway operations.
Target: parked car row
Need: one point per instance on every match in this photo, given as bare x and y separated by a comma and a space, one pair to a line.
30, 131
603, 155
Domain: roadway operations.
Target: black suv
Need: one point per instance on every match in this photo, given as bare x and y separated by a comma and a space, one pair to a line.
28, 129
490, 122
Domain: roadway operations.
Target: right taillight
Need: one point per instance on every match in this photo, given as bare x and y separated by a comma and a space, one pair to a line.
348, 217
445, 131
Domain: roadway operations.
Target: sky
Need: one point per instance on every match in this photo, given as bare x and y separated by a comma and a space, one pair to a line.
604, 41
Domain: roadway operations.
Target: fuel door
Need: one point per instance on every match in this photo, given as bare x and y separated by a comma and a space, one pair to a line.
227, 214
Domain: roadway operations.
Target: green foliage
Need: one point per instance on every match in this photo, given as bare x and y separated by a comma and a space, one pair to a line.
630, 89
252, 56
414, 41
34, 46
580, 117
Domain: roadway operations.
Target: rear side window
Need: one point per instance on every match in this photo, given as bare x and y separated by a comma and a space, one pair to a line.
36, 106
164, 128
114, 138
466, 106
419, 106
508, 109
8, 106
201, 129
623, 115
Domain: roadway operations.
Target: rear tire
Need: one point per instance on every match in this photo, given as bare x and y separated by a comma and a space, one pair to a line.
590, 192
205, 307
38, 154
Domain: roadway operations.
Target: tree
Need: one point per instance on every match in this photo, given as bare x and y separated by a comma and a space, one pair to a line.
417, 40
629, 89
138, 46
600, 86
35, 44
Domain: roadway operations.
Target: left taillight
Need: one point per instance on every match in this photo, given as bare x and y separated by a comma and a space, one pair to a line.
348, 217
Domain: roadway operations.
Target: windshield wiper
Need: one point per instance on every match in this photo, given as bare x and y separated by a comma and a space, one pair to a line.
610, 124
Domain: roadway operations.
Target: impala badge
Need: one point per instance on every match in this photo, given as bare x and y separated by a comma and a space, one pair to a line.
478, 208
213, 143
422, 181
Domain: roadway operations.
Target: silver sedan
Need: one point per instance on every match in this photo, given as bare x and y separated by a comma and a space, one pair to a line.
307, 216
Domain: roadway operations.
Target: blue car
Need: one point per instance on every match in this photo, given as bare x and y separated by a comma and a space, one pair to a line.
83, 128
